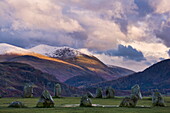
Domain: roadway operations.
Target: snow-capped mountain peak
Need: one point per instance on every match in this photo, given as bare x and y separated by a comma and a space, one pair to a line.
56, 52
10, 49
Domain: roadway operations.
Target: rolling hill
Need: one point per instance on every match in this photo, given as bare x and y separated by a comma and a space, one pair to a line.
13, 77
155, 77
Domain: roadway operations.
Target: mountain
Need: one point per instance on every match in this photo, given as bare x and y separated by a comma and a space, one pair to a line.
10, 49
78, 69
95, 65
155, 77
56, 52
88, 62
121, 71
13, 77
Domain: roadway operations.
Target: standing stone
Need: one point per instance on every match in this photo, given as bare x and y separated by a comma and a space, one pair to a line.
46, 100
136, 91
85, 102
17, 104
90, 95
57, 90
133, 99
157, 99
28, 91
129, 102
99, 93
110, 93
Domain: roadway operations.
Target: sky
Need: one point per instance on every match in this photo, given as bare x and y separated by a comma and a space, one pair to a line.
129, 33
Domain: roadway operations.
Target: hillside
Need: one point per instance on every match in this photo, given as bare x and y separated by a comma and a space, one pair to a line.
155, 77
87, 62
10, 49
95, 65
13, 77
66, 64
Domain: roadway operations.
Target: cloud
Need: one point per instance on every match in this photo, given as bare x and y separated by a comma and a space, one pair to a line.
161, 6
35, 14
97, 25
75, 22
102, 34
164, 34
127, 53
169, 53
144, 7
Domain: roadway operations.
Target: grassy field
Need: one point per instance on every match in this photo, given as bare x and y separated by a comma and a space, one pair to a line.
31, 103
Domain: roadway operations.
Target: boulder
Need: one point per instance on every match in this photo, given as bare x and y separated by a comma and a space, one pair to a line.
46, 100
99, 93
57, 91
85, 102
28, 91
90, 95
17, 104
157, 99
110, 93
133, 99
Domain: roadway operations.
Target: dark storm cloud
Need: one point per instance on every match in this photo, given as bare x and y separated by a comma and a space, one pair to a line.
79, 38
164, 34
144, 7
13, 39
79, 35
127, 53
123, 23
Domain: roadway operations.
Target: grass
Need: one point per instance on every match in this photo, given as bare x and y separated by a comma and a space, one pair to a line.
31, 103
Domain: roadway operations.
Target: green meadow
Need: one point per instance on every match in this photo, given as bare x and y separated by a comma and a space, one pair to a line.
60, 102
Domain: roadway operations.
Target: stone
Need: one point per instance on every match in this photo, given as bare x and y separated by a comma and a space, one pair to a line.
157, 99
90, 95
110, 93
133, 99
127, 102
85, 102
17, 104
136, 91
46, 100
28, 91
57, 90
99, 93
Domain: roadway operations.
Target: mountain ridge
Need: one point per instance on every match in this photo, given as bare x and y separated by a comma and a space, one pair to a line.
67, 69
56, 52
156, 76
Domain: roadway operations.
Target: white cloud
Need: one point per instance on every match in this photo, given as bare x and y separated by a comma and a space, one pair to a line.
102, 34
35, 14
161, 6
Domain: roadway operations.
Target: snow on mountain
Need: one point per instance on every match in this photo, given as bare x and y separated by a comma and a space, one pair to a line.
56, 52
50, 51
10, 49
